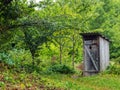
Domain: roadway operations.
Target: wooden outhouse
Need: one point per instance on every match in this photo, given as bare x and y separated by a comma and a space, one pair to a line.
96, 53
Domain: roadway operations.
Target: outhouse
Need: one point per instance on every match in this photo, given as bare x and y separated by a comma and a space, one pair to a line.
96, 53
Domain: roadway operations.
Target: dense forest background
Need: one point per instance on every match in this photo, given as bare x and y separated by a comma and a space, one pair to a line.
45, 36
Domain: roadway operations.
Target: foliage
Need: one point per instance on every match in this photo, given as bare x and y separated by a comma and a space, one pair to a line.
6, 58
15, 57
34, 80
59, 68
2, 84
11, 12
14, 80
99, 82
29, 68
34, 37
113, 69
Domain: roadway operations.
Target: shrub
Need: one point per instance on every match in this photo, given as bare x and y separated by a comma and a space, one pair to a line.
15, 58
2, 84
6, 59
29, 68
63, 69
114, 69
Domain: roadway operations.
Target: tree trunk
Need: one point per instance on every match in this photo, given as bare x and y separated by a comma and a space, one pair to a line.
60, 54
73, 54
33, 58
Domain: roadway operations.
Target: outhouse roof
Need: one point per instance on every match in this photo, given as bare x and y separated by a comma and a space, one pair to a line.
94, 34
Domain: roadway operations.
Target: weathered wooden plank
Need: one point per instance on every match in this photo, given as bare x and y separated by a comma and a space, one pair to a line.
104, 53
91, 58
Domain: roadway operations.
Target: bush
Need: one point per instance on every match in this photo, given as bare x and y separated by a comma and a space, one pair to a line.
29, 68
114, 69
63, 69
2, 84
15, 58
6, 58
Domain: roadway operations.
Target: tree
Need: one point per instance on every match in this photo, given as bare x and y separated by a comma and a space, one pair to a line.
37, 33
11, 13
18, 17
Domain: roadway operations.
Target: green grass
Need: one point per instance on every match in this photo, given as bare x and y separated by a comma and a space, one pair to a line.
97, 82
36, 81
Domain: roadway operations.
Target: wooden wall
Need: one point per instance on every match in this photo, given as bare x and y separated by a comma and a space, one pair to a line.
104, 53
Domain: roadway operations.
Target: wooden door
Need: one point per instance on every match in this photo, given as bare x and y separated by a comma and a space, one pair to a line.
91, 61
